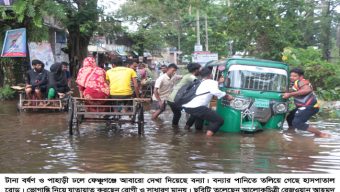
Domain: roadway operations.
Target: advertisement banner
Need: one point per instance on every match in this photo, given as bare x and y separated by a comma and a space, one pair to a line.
204, 57
15, 43
43, 52
6, 2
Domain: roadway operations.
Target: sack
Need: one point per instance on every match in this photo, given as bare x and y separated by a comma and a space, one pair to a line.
186, 93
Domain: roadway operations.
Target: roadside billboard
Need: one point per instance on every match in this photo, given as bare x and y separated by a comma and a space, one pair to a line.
204, 57
15, 43
6, 2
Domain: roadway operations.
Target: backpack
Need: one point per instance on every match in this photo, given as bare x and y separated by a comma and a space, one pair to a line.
186, 93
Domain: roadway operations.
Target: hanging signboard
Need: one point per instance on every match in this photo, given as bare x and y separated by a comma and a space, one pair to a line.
204, 57
15, 43
198, 47
43, 52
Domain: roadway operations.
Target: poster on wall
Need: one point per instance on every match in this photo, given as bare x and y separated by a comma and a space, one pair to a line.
43, 52
61, 56
14, 43
6, 2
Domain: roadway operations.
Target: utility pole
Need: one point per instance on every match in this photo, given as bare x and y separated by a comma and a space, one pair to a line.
198, 26
206, 34
228, 3
177, 52
179, 35
338, 37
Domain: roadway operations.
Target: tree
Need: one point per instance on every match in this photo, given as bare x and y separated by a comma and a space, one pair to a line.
81, 23
260, 28
264, 27
110, 28
328, 15
309, 24
151, 20
160, 23
326, 80
28, 14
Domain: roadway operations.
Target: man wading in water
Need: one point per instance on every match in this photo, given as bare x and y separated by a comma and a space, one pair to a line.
306, 104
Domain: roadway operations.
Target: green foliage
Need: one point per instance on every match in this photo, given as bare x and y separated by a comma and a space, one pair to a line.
6, 68
35, 10
81, 16
264, 27
171, 23
6, 93
81, 22
154, 20
329, 94
260, 28
324, 76
30, 14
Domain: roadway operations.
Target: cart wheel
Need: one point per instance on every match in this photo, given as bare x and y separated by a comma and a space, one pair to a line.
140, 119
66, 102
107, 123
70, 116
78, 120
66, 107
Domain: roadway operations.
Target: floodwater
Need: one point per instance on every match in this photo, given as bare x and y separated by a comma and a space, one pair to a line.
40, 143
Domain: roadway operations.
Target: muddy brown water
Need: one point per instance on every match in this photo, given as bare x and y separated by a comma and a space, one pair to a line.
40, 143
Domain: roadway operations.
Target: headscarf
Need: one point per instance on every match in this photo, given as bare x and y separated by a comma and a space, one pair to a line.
91, 76
57, 77
57, 71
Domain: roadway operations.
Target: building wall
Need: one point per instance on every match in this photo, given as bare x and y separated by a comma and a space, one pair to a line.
57, 45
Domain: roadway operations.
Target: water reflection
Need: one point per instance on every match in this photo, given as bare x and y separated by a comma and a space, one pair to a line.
39, 142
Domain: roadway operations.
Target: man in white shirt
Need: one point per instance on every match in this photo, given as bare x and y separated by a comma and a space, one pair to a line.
163, 87
194, 69
198, 106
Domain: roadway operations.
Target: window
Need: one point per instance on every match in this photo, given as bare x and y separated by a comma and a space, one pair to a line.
218, 74
257, 78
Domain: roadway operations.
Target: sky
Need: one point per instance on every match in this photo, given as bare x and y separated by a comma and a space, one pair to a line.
111, 5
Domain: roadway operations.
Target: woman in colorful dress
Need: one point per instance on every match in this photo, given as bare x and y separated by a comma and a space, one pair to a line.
91, 82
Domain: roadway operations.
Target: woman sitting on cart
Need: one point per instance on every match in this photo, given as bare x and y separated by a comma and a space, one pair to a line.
91, 82
57, 82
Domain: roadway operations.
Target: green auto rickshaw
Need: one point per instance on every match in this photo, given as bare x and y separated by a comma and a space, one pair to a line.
257, 87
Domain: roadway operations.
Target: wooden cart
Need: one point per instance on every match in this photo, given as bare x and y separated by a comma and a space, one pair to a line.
109, 111
41, 105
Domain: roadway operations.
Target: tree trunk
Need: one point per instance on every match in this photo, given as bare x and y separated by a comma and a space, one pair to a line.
263, 45
7, 71
78, 40
78, 49
338, 38
325, 35
309, 24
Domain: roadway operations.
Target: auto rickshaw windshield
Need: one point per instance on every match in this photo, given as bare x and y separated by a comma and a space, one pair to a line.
257, 78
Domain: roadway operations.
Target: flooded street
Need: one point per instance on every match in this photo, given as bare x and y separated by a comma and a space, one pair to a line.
40, 142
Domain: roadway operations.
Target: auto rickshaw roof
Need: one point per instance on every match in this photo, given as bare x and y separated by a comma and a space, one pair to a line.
249, 61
